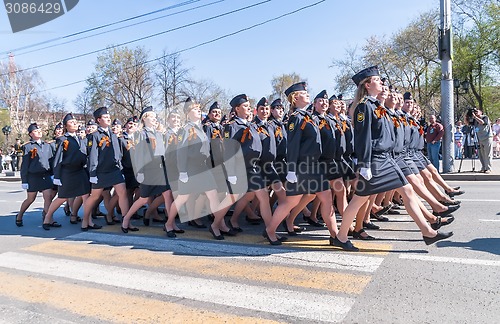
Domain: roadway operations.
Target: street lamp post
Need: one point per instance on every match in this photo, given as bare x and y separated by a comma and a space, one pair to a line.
6, 130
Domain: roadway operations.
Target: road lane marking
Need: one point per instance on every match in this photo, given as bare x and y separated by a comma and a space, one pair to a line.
489, 220
223, 268
333, 259
106, 305
450, 260
266, 299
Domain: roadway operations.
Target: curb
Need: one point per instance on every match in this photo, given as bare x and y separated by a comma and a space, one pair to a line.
470, 177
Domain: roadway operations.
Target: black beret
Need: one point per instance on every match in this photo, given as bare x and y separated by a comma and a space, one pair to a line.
301, 86
333, 97
58, 126
321, 95
100, 111
81, 128
32, 127
310, 108
407, 96
276, 103
262, 102
340, 96
145, 110
188, 104
116, 121
132, 119
238, 100
91, 122
365, 73
215, 105
384, 81
67, 118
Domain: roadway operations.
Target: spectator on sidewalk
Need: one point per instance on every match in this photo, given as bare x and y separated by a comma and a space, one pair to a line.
458, 137
484, 133
433, 135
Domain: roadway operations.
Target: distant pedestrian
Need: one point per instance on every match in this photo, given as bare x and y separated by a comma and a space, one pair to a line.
435, 132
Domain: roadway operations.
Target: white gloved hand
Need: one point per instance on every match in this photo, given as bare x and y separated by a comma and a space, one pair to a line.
355, 160
25, 186
57, 182
366, 173
232, 179
140, 177
93, 180
183, 177
291, 177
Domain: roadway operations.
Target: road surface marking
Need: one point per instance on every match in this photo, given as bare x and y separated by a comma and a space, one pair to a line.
258, 298
450, 260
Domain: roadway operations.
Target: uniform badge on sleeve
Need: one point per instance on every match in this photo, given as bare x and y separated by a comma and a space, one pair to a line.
291, 127
361, 117
179, 138
226, 134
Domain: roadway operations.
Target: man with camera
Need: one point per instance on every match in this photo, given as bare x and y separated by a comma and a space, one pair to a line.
482, 128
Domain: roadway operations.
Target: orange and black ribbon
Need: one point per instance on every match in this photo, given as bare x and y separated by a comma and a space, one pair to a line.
262, 130
278, 133
421, 130
307, 119
130, 144
33, 152
172, 139
344, 126
324, 123
65, 145
192, 134
246, 133
380, 112
403, 120
216, 134
395, 120
104, 141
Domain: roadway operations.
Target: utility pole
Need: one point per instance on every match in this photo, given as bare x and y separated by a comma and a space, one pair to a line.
447, 113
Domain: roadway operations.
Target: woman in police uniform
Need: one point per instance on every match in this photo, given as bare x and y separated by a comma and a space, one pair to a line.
305, 175
105, 168
193, 160
36, 172
70, 173
149, 165
378, 172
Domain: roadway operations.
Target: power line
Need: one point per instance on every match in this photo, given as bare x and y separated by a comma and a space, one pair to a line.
100, 27
119, 28
201, 44
142, 38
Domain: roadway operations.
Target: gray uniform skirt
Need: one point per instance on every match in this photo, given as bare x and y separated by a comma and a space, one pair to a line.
386, 176
108, 179
200, 179
311, 178
75, 183
39, 182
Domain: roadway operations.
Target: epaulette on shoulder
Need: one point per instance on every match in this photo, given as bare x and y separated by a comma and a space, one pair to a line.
295, 113
362, 101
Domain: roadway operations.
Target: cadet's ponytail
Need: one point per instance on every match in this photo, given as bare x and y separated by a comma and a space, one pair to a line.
361, 92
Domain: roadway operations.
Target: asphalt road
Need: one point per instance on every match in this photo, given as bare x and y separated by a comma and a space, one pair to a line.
68, 276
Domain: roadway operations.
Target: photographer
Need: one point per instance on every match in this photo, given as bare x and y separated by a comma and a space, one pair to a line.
433, 135
482, 128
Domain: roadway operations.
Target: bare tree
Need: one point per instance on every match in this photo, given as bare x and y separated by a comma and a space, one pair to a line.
281, 82
19, 94
204, 92
123, 80
83, 103
172, 78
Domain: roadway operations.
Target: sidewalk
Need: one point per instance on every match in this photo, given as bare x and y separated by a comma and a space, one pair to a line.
466, 173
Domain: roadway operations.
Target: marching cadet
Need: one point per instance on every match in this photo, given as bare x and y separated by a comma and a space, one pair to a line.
378, 172
91, 127
277, 122
36, 173
104, 167
305, 175
81, 132
195, 175
239, 134
58, 132
70, 173
128, 143
149, 165
264, 166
